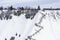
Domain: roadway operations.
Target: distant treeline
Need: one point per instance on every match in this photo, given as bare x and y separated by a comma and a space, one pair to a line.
19, 8
27, 8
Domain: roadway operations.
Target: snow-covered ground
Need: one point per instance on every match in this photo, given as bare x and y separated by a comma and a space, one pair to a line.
25, 27
51, 29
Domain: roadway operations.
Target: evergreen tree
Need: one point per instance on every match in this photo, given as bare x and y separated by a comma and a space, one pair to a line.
38, 7
1, 8
22, 8
10, 8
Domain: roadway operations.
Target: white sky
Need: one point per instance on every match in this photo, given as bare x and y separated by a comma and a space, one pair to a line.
31, 3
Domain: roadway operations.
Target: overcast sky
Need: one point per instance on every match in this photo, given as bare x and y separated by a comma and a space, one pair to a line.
31, 3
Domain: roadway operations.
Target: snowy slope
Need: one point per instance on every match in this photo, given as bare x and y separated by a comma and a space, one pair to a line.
19, 25
25, 27
51, 29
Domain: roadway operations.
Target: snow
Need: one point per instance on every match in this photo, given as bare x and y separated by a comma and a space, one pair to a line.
51, 29
25, 27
